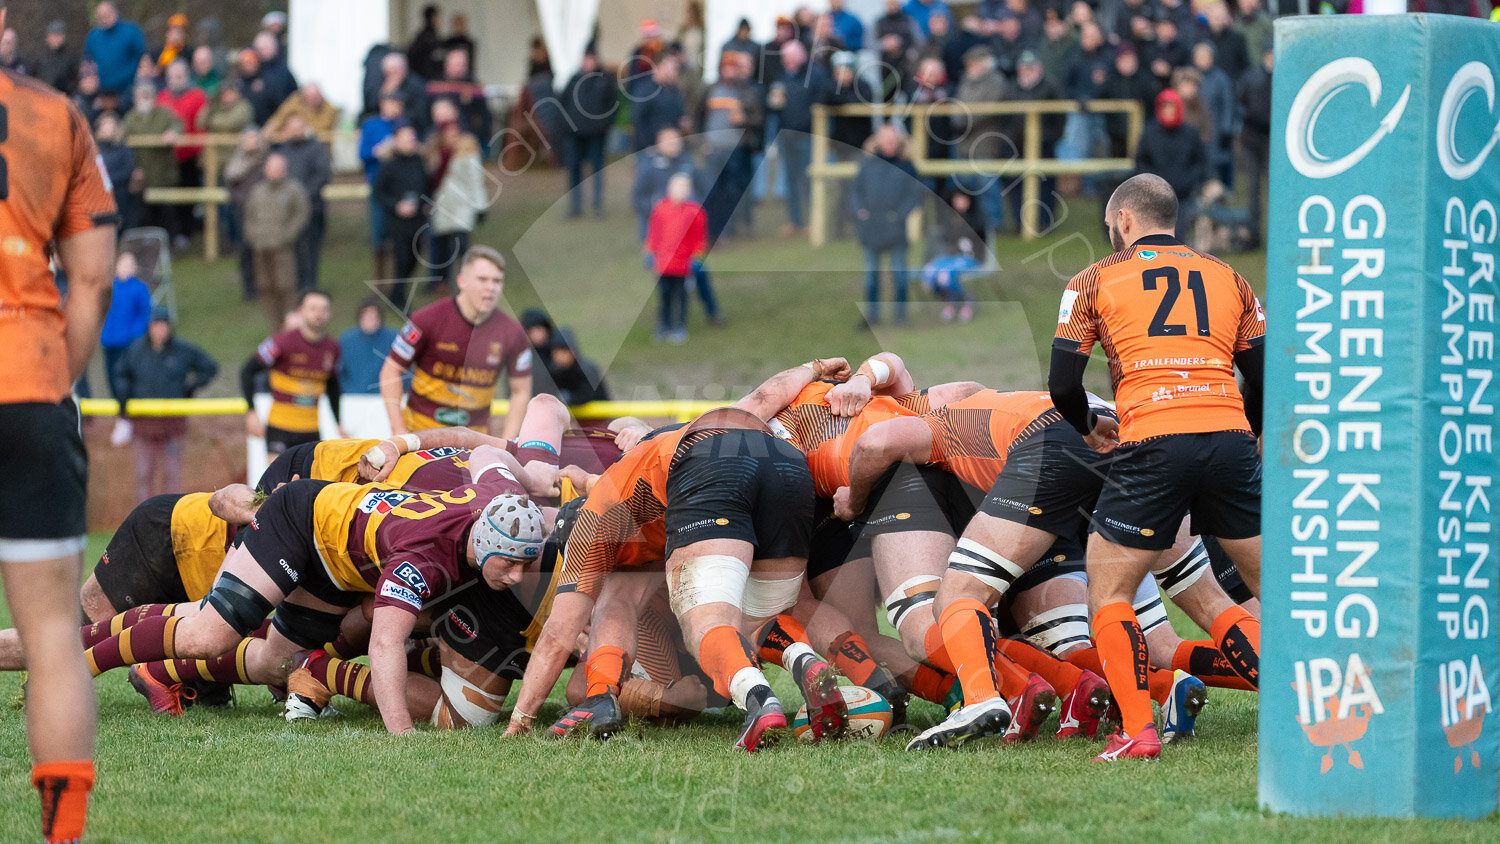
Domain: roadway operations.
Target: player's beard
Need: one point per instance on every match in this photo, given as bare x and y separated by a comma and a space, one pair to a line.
1116, 241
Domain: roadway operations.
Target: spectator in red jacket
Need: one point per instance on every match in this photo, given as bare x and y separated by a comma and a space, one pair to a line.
676, 238
187, 102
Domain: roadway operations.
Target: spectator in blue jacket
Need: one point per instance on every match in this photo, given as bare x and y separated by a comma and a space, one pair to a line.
803, 84
375, 138
657, 103
849, 29
363, 349
129, 315
923, 11
115, 47
159, 366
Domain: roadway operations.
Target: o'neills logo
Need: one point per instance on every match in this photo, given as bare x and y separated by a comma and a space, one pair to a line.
1316, 93
1335, 704
1473, 78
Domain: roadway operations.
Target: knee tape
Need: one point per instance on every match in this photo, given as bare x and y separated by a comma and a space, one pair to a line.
243, 607
1149, 612
766, 598
913, 594
306, 627
1060, 629
1177, 577
464, 704
710, 579
985, 565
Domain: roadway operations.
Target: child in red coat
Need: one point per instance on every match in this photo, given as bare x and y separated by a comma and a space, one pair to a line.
676, 236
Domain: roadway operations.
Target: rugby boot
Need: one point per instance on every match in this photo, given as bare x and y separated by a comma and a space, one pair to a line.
599, 714
764, 721
827, 713
1142, 745
985, 718
1083, 707
1030, 709
164, 699
1180, 713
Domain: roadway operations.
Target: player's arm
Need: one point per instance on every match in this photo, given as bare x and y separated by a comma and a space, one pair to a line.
1252, 364
252, 368
389, 630
88, 259
1076, 332
881, 374
488, 458
335, 397
380, 459
235, 504
772, 396
391, 373
520, 394
629, 431
570, 611
886, 443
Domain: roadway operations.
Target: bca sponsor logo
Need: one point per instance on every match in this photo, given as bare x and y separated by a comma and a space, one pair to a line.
384, 501
1465, 700
408, 574
1316, 93
1335, 704
1473, 78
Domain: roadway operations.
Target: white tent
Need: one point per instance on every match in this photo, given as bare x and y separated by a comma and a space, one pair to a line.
328, 39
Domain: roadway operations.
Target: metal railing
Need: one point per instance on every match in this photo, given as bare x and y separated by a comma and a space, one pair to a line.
211, 194
1030, 166
678, 410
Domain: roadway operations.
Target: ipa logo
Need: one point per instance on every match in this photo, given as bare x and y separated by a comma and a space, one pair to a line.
1465, 700
1472, 78
1335, 704
1316, 93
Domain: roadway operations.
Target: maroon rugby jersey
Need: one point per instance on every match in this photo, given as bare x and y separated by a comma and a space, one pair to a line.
300, 371
456, 364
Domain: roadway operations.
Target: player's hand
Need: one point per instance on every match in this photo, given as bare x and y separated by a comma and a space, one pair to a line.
631, 437
171, 136
541, 479
253, 425
1105, 436
577, 475
516, 728
843, 505
367, 470
831, 369
850, 397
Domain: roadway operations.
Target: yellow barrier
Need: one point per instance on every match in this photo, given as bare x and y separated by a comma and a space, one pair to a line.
682, 411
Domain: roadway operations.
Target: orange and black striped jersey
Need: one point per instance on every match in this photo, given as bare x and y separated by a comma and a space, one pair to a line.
623, 522
200, 541
828, 440
1170, 321
52, 186
971, 438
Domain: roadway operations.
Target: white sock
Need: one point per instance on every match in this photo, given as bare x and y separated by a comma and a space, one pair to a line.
744, 680
795, 652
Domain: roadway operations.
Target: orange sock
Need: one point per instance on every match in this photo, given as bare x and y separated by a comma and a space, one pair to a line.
1202, 659
1158, 681
851, 656
1122, 649
775, 636
604, 670
937, 651
968, 634
723, 654
64, 787
1061, 675
930, 684
1237, 633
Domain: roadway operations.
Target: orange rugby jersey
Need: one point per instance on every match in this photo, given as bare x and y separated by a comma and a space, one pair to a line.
971, 438
456, 364
300, 370
1170, 321
828, 440
52, 187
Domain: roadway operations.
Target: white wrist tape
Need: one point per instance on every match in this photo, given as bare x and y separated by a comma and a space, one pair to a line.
881, 370
375, 457
710, 579
767, 598
411, 441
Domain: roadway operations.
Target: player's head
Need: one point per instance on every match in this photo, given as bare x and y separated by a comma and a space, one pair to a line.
481, 280
507, 535
679, 187
1142, 205
315, 309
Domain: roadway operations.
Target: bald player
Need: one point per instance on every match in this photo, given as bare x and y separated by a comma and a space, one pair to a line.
1174, 323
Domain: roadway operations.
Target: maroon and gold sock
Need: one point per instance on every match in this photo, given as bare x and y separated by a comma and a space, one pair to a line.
64, 787
228, 667
851, 656
425, 661
149, 640
97, 632
350, 679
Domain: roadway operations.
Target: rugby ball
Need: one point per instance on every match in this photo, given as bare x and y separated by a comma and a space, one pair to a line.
869, 715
